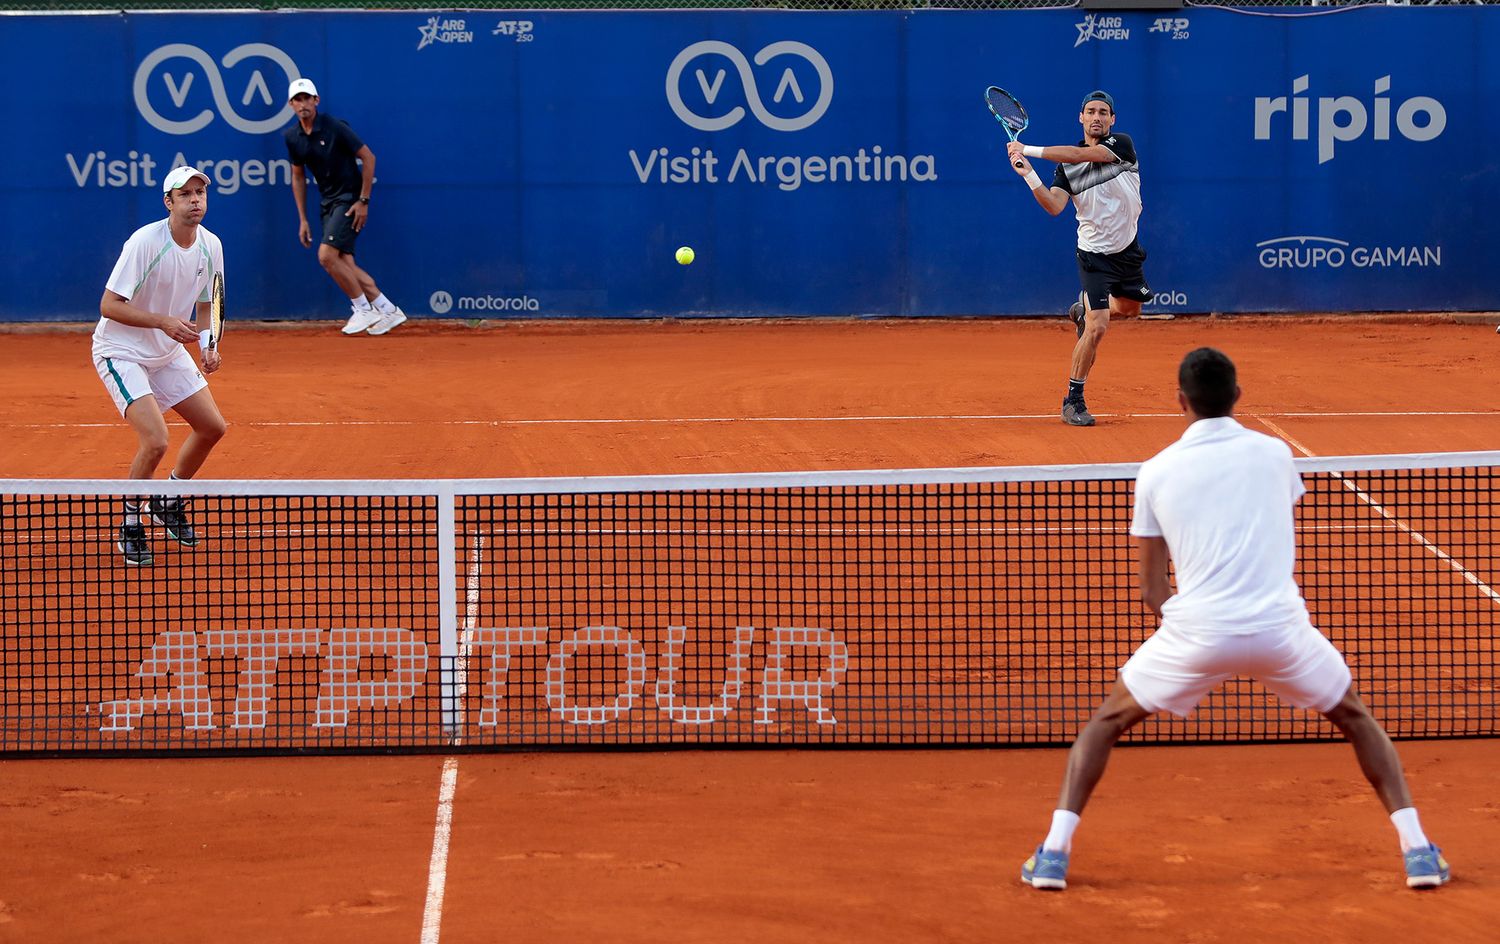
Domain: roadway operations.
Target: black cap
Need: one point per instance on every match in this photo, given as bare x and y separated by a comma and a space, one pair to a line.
1099, 95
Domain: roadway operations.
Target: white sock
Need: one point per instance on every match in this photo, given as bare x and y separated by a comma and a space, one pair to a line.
383, 303
359, 303
1060, 837
1409, 829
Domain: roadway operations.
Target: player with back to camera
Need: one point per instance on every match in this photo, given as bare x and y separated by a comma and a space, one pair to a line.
344, 167
1218, 503
1102, 177
165, 269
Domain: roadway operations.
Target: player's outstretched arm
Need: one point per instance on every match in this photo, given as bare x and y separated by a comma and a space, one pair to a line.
1068, 154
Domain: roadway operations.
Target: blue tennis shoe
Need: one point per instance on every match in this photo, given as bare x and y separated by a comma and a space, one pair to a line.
1426, 867
1046, 869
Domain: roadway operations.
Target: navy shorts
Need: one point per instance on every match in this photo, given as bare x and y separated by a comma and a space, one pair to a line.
338, 229
1114, 273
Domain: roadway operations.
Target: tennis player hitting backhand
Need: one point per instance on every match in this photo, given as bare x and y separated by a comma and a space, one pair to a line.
162, 278
1218, 503
1101, 175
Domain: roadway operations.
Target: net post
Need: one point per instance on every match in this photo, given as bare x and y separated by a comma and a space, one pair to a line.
448, 681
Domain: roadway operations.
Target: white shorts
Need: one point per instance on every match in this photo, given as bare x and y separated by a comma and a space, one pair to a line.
170, 382
1173, 670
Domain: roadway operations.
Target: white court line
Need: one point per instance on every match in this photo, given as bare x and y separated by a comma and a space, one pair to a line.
688, 420
437, 868
1416, 537
471, 620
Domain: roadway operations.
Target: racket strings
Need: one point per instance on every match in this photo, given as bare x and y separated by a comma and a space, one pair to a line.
1006, 109
216, 312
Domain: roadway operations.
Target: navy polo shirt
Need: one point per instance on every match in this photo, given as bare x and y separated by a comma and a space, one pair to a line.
329, 153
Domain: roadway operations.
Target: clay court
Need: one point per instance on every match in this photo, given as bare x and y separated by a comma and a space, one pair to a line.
1201, 844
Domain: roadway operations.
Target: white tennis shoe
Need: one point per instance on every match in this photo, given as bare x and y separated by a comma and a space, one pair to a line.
387, 321
361, 319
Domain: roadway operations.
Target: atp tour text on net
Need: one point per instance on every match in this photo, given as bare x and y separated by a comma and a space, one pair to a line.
801, 668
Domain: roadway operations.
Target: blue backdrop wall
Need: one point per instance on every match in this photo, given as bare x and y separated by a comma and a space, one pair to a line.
548, 164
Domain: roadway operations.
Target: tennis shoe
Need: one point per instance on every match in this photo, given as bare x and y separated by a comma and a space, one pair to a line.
133, 546
388, 320
361, 319
1046, 870
1426, 867
1076, 413
1078, 311
171, 513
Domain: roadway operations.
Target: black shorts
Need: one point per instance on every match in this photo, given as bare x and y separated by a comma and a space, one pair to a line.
338, 229
1114, 273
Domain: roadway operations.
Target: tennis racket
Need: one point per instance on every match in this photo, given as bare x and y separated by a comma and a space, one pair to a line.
216, 312
1008, 111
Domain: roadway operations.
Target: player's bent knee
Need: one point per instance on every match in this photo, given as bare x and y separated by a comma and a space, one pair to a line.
1350, 713
153, 447
1120, 711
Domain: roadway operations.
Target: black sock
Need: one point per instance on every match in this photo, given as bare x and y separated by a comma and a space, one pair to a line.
1075, 389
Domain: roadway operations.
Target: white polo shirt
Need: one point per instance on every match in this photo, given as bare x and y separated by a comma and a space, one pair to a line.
155, 274
1222, 496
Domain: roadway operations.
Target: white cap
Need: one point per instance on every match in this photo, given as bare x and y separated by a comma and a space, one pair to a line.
180, 176
301, 87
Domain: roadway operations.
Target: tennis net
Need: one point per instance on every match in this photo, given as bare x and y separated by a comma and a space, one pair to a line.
907, 608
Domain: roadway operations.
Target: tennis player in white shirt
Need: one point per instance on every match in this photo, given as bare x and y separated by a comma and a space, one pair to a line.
160, 282
1218, 502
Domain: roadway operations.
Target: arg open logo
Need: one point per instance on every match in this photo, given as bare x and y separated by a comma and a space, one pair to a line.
444, 29
1100, 27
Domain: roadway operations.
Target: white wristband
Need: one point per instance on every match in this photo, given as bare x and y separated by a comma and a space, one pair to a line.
203, 340
1032, 180
1032, 150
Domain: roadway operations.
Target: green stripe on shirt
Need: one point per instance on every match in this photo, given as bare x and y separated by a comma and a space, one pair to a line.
207, 293
150, 267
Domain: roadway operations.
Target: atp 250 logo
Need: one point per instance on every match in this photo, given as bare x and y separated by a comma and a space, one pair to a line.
789, 87
258, 75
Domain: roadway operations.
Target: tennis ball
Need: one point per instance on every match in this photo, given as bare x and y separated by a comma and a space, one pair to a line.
685, 255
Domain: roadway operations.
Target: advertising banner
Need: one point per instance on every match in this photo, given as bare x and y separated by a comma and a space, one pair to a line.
540, 165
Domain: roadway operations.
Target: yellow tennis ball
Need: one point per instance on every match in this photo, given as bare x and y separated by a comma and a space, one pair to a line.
685, 255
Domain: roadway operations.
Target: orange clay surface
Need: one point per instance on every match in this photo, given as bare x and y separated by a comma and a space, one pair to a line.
1185, 844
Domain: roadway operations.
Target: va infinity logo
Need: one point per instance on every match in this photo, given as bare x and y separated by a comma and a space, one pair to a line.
178, 87
787, 85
